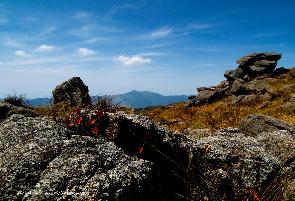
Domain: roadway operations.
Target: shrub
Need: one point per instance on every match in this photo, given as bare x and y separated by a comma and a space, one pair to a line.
16, 99
105, 104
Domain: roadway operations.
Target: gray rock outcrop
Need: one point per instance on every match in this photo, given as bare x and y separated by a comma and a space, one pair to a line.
257, 158
73, 91
253, 70
41, 160
7, 109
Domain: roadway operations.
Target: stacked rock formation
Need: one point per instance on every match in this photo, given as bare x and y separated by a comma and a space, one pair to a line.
253, 65
73, 91
247, 79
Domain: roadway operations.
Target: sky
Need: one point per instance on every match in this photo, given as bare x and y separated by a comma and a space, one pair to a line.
165, 46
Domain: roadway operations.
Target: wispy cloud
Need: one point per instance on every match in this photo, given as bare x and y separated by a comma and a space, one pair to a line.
131, 60
21, 53
85, 52
48, 30
115, 10
194, 27
199, 26
81, 15
89, 30
146, 54
158, 33
94, 40
46, 48
11, 42
269, 34
3, 20
30, 19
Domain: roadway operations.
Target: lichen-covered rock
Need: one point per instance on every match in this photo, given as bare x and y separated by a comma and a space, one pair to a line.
73, 91
7, 109
41, 160
230, 164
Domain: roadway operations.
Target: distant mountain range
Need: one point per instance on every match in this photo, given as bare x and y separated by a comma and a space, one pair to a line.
135, 99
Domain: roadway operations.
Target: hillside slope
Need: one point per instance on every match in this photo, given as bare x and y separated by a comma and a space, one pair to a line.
226, 104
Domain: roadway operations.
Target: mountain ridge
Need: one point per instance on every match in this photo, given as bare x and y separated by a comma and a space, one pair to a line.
134, 98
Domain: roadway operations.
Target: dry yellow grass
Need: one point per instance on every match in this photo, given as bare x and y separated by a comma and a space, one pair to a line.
224, 113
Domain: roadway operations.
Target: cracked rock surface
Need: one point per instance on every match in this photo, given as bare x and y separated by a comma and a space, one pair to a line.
41, 160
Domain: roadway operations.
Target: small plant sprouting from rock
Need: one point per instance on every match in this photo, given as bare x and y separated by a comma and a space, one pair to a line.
85, 123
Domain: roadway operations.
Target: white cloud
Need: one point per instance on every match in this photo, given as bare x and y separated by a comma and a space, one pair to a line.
131, 60
86, 52
21, 53
159, 33
46, 48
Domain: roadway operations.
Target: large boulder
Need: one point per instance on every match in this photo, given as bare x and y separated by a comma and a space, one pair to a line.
73, 91
255, 161
257, 64
251, 59
41, 160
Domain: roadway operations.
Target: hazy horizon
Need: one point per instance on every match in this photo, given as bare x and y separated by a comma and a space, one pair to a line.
167, 47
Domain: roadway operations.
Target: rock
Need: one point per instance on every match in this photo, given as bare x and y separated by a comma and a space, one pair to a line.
257, 124
279, 71
253, 65
289, 106
73, 91
238, 87
196, 134
258, 63
209, 95
41, 160
250, 59
7, 109
251, 99
252, 77
232, 75
230, 164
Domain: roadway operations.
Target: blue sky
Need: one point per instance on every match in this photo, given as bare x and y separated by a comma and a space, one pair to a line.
165, 46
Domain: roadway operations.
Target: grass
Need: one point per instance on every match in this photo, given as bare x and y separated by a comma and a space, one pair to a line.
224, 113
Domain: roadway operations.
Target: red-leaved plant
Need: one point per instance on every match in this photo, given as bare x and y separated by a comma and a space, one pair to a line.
85, 123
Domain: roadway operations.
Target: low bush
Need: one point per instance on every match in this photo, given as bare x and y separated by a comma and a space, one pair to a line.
16, 99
